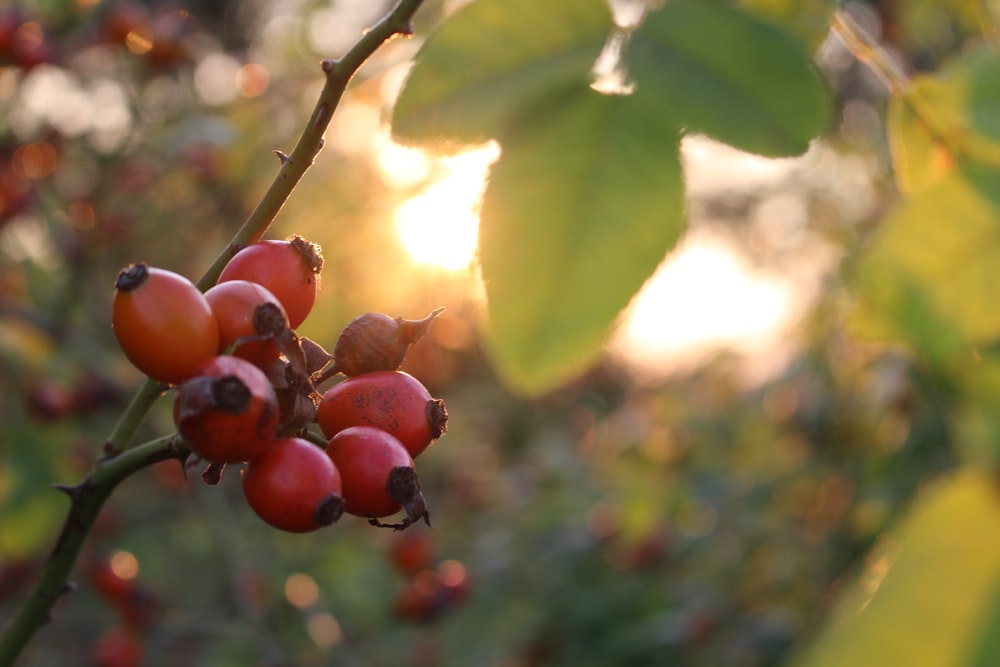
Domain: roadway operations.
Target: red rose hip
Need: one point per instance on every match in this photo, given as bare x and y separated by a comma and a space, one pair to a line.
294, 486
290, 269
247, 310
163, 324
378, 475
228, 412
393, 401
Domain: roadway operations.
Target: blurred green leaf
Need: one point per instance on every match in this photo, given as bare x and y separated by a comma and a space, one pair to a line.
490, 60
582, 206
977, 419
726, 73
809, 20
930, 276
27, 528
929, 595
959, 106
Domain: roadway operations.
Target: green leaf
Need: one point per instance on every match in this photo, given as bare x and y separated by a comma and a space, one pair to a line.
492, 58
931, 275
809, 20
930, 595
582, 206
732, 76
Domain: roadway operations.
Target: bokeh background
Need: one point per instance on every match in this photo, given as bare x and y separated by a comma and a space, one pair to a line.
697, 498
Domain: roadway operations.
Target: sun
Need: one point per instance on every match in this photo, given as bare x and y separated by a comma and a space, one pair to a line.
439, 226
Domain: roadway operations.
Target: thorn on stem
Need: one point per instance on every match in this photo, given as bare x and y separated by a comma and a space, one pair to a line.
71, 490
213, 473
329, 64
281, 156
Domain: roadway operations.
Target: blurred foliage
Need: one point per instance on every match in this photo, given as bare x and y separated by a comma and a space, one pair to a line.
578, 152
702, 520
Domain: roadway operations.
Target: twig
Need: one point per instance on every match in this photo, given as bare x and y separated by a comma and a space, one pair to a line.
121, 436
958, 140
86, 500
866, 48
120, 459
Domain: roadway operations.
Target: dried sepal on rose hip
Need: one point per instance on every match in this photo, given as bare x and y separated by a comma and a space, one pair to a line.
294, 486
403, 486
297, 397
393, 401
378, 475
163, 324
290, 269
315, 355
228, 412
376, 342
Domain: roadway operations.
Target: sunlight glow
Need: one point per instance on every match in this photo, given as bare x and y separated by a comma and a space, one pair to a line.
401, 166
703, 299
439, 226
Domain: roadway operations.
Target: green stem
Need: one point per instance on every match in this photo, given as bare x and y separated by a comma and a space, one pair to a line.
867, 49
88, 497
121, 436
338, 74
86, 500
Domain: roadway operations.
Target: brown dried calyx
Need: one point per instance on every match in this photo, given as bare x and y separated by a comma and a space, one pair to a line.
376, 342
202, 394
403, 486
131, 277
312, 253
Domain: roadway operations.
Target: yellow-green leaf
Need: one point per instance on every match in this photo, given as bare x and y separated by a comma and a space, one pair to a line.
930, 593
932, 274
955, 111
919, 159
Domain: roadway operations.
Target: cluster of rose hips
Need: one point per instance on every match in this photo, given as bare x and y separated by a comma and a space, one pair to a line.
246, 387
24, 43
121, 644
430, 588
159, 35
